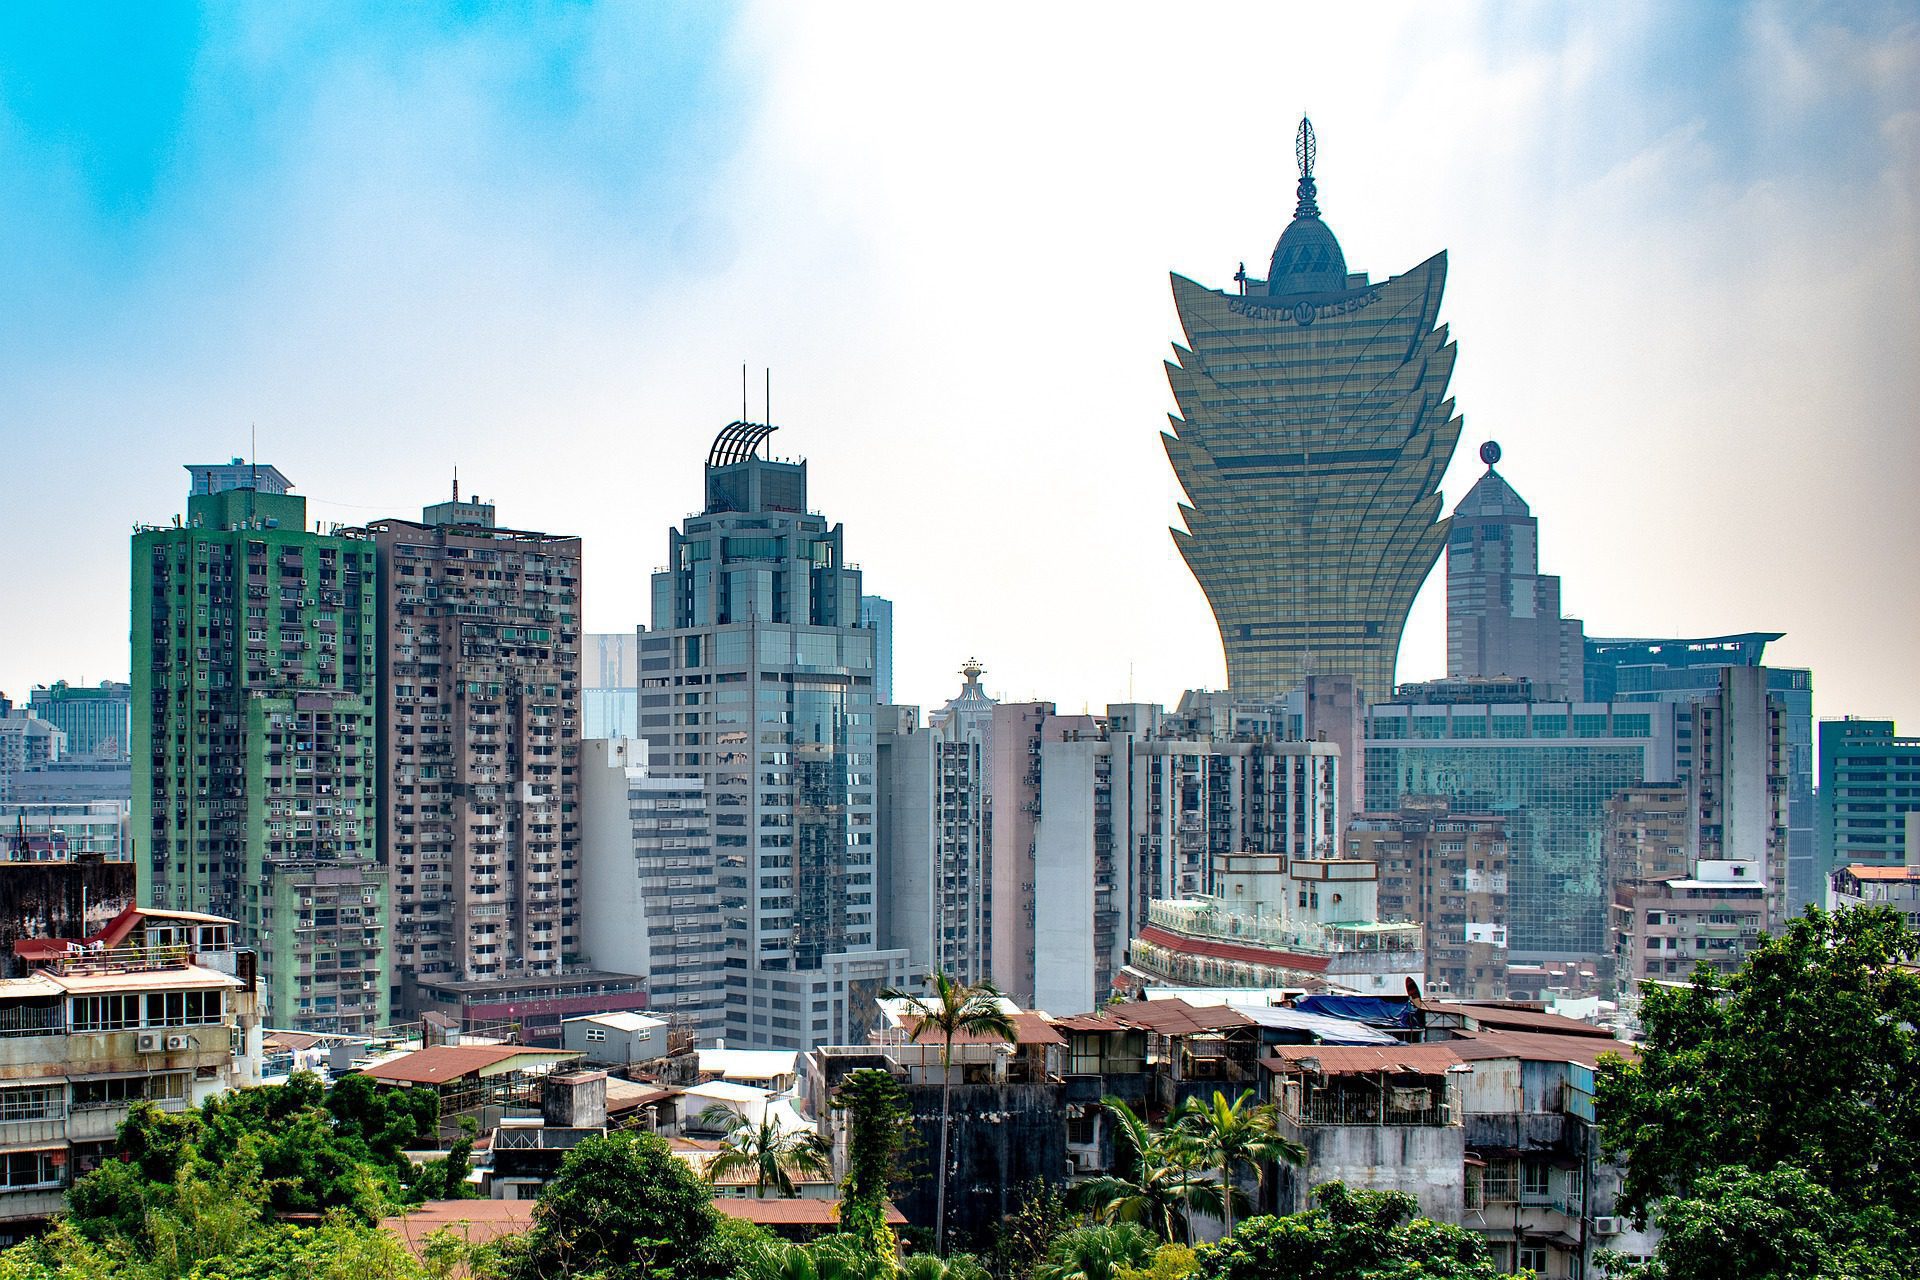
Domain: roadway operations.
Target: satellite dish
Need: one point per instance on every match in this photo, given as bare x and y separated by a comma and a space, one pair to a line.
1490, 452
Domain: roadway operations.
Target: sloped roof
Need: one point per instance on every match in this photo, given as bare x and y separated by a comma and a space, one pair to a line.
1348, 1060
1177, 1017
1272, 956
1509, 1018
441, 1063
1534, 1046
791, 1213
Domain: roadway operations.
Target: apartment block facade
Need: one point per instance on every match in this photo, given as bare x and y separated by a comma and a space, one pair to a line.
480, 719
255, 777
1449, 872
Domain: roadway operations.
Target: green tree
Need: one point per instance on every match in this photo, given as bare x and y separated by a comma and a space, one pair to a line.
772, 1153
1153, 1180
1169, 1262
877, 1120
1777, 1225
622, 1207
1099, 1252
1023, 1237
954, 1010
1348, 1235
1230, 1136
1806, 1057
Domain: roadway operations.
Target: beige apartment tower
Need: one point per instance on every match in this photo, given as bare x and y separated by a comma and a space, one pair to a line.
480, 714
1313, 429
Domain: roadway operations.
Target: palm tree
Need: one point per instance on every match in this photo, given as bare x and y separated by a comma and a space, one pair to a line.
1100, 1252
774, 1154
1230, 1135
954, 1010
1153, 1181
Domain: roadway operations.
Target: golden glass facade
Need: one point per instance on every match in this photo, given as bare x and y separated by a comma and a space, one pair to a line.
1312, 432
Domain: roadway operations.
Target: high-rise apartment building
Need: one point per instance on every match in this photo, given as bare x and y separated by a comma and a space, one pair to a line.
1447, 871
936, 886
1312, 433
95, 719
480, 720
1869, 781
255, 778
1649, 834
1503, 614
26, 742
649, 900
1549, 769
1737, 785
758, 680
1688, 671
1131, 809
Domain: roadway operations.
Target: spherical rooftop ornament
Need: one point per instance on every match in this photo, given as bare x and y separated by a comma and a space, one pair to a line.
1490, 452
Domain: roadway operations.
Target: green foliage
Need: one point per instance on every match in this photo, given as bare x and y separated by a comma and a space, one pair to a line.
877, 1120
1806, 1058
1023, 1237
773, 1154
622, 1207
1169, 1262
1153, 1181
1778, 1225
1101, 1252
235, 1246
1348, 1235
1230, 1136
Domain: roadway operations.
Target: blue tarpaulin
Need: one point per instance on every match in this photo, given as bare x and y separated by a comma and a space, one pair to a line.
1376, 1011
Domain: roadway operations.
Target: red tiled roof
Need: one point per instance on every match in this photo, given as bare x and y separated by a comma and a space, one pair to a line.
441, 1063
792, 1213
1870, 871
1028, 1028
1233, 951
1089, 1022
1362, 1059
476, 1221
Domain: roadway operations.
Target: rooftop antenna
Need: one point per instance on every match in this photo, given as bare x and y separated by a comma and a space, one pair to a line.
456, 482
743, 391
769, 395
253, 466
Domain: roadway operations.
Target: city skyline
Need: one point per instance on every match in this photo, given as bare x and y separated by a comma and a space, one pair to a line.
398, 263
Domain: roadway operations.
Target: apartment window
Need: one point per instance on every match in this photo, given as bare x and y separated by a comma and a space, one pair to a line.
1534, 1180
25, 1169
39, 1103
596, 1034
1533, 1258
106, 1013
183, 1008
123, 1091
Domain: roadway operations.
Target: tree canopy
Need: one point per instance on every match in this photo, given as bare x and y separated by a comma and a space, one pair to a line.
1348, 1235
1806, 1057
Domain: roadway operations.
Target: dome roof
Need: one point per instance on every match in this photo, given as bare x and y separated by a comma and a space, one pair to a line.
1307, 259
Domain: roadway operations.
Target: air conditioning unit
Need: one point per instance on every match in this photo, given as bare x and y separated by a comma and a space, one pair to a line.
176, 1044
1609, 1226
147, 1042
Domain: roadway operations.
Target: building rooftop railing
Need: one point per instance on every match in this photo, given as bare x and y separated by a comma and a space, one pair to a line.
1208, 919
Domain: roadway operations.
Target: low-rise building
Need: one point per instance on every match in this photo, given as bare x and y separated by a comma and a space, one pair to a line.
617, 1039
1869, 883
1713, 917
155, 1007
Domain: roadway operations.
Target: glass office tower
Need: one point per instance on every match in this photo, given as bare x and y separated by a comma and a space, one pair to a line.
758, 678
1549, 769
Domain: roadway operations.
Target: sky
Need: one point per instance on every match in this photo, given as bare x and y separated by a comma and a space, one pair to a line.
538, 242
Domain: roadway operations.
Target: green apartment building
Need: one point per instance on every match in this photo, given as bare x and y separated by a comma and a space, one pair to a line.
255, 767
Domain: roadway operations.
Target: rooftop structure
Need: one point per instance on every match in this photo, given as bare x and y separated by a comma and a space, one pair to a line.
220, 477
1312, 433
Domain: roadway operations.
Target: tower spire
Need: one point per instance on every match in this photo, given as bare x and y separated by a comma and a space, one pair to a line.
1303, 153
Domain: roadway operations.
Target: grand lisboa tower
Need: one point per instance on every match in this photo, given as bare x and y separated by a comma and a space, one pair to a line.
1313, 429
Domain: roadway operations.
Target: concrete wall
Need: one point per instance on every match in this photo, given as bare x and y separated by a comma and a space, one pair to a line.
1427, 1162
612, 909
1063, 884
1003, 1137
